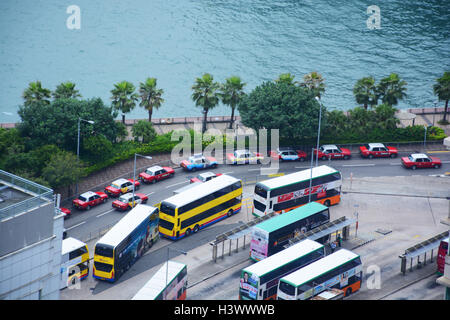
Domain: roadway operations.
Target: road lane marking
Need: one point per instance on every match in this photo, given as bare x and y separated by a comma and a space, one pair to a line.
102, 214
150, 193
176, 184
77, 225
228, 172
395, 164
302, 167
359, 165
254, 169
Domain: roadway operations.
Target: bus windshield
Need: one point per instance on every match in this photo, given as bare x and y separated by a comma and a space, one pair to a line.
287, 288
104, 251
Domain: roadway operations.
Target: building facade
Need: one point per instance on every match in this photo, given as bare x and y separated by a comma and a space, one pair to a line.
31, 231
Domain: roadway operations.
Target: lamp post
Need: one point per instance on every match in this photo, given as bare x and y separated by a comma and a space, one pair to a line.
310, 176
434, 112
134, 172
318, 131
425, 138
167, 261
78, 146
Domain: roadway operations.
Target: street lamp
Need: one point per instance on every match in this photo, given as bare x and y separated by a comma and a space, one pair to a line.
434, 111
318, 131
425, 138
78, 146
167, 260
134, 172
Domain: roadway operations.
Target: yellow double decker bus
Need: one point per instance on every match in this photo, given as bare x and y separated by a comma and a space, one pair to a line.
200, 206
74, 262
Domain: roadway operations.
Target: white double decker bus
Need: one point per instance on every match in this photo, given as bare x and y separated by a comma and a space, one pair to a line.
291, 191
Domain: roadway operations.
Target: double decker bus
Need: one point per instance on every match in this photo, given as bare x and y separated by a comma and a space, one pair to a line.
260, 280
168, 283
291, 191
339, 270
124, 243
442, 252
74, 262
270, 236
202, 205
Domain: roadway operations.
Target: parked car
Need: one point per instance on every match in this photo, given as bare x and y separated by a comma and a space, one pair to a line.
67, 213
330, 151
89, 199
205, 176
377, 150
421, 160
244, 156
155, 174
288, 154
121, 186
125, 201
197, 162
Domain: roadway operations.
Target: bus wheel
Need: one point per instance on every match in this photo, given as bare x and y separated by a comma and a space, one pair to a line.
348, 292
196, 229
229, 213
187, 233
327, 203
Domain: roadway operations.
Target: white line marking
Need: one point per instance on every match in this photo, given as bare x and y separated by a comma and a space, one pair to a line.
77, 225
302, 167
102, 214
176, 184
228, 172
358, 165
395, 164
254, 169
149, 193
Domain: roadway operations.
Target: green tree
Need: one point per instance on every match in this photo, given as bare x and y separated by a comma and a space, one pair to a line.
286, 78
36, 93
365, 92
122, 132
63, 170
124, 98
442, 89
232, 93
66, 90
391, 89
151, 97
144, 130
97, 148
291, 109
337, 124
385, 117
206, 95
314, 82
57, 123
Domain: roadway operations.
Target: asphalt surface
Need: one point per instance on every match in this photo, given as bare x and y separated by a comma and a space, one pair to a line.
86, 226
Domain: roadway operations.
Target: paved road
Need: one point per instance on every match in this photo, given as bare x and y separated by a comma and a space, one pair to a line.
88, 224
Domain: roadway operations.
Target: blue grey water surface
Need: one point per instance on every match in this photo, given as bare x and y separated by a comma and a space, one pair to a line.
179, 40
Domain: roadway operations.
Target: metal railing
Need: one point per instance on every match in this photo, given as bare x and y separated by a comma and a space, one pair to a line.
39, 194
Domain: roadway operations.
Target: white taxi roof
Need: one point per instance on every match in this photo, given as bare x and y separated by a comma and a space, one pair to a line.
329, 146
242, 151
419, 155
120, 181
127, 196
207, 174
154, 168
376, 145
88, 194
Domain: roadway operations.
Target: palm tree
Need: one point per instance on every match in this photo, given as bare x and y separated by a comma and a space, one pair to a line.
365, 92
206, 95
35, 93
315, 82
124, 98
232, 93
66, 90
391, 89
442, 90
150, 96
286, 78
